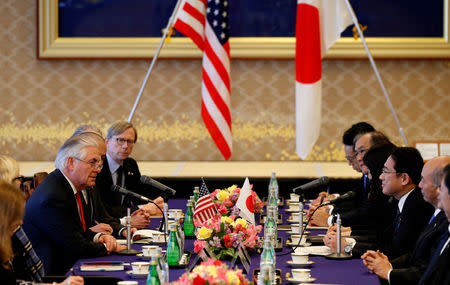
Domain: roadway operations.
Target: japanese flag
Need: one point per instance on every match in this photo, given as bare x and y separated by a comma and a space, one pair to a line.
245, 203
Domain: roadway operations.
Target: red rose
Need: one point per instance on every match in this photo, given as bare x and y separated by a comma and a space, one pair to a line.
227, 241
198, 280
217, 262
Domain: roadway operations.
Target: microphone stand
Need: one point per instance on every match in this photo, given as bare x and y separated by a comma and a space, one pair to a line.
128, 250
338, 254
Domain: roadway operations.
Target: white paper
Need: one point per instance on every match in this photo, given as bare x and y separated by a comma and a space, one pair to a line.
314, 250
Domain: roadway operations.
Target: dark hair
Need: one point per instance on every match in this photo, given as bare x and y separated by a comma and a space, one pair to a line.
446, 173
354, 130
374, 159
378, 138
408, 160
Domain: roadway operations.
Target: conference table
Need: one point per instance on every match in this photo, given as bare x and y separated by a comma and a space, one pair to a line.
326, 271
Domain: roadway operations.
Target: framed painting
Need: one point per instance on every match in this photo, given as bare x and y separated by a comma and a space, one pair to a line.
127, 29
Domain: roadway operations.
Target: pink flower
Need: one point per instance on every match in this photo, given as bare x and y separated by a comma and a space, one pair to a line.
227, 202
222, 209
199, 245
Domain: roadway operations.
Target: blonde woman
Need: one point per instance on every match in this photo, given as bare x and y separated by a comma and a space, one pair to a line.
12, 203
9, 170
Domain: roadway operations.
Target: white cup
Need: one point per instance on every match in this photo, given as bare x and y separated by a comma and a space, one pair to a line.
140, 267
300, 274
295, 197
158, 237
294, 207
149, 250
296, 238
175, 214
295, 228
299, 258
127, 283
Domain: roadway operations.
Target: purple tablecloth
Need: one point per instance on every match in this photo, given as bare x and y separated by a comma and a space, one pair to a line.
326, 271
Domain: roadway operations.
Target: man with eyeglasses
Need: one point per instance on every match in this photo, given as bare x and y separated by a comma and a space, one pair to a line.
122, 170
408, 268
56, 214
400, 178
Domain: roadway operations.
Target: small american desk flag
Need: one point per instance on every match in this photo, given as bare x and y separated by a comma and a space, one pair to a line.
204, 208
206, 23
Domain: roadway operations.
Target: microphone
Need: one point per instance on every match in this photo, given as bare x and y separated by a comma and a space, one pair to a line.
322, 181
149, 181
344, 197
123, 191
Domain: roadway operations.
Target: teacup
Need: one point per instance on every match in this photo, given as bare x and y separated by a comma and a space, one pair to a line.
294, 207
296, 238
175, 214
158, 237
295, 197
301, 274
300, 258
127, 283
295, 228
140, 267
149, 250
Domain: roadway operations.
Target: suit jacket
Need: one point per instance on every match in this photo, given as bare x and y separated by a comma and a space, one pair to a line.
440, 271
409, 267
99, 212
113, 201
415, 215
53, 226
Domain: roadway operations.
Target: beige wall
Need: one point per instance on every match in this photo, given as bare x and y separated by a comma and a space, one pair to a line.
42, 102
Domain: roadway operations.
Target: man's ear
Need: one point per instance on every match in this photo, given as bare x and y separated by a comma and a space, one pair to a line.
70, 163
406, 179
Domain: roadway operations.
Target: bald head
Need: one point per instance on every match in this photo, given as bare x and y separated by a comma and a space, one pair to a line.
431, 177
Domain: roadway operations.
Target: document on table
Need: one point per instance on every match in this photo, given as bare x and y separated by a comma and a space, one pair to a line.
145, 234
314, 250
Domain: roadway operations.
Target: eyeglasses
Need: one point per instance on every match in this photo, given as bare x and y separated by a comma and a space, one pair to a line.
95, 163
20, 178
386, 171
121, 141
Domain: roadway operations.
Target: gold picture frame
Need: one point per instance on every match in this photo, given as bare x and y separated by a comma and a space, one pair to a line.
51, 46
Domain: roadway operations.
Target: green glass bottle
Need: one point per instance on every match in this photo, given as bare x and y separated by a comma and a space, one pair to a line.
188, 222
152, 277
173, 248
196, 193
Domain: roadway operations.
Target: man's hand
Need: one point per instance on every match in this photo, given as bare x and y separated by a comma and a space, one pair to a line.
330, 240
377, 263
320, 218
73, 280
140, 219
345, 231
133, 230
102, 228
316, 202
151, 209
110, 242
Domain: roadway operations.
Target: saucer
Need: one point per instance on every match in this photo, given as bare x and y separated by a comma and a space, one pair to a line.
289, 243
291, 263
292, 210
309, 280
143, 275
296, 233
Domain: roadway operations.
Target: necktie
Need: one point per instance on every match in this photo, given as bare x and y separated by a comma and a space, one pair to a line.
397, 221
80, 206
119, 172
432, 218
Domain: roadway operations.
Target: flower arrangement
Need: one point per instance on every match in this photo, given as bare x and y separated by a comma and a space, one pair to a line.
225, 234
225, 200
212, 272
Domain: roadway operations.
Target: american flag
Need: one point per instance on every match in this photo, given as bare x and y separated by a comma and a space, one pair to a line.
204, 208
206, 23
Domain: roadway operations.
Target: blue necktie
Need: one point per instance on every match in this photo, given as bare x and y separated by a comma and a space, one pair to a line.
397, 221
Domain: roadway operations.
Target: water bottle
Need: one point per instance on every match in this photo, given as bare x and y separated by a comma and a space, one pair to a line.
173, 247
153, 277
163, 265
196, 193
189, 229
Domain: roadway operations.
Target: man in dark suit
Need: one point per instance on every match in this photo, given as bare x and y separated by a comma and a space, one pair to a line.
120, 169
54, 219
408, 268
438, 271
400, 177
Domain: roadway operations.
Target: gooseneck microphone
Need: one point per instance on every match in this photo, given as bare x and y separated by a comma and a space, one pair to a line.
152, 182
343, 197
123, 191
322, 181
